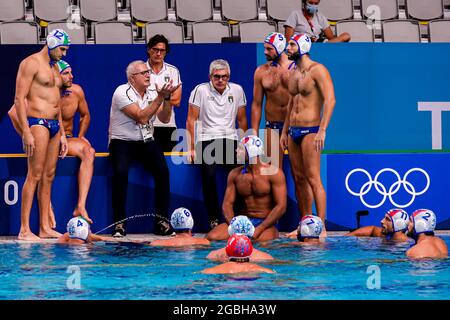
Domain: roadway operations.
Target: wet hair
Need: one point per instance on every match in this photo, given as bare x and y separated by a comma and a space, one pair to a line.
157, 38
240, 260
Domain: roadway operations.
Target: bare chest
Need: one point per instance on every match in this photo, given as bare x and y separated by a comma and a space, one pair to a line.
48, 77
69, 106
301, 83
250, 185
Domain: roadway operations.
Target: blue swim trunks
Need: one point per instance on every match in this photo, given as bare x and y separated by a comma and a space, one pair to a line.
256, 221
297, 133
51, 124
274, 125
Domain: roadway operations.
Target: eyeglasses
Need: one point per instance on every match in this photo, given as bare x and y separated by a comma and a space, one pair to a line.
224, 77
142, 73
156, 50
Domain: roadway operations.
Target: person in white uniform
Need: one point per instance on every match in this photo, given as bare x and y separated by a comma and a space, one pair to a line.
161, 73
214, 108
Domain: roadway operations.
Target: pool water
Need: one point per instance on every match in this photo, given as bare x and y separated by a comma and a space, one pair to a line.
341, 268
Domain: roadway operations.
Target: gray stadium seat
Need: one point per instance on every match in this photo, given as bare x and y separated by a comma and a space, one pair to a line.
358, 29
77, 34
439, 30
145, 10
51, 10
281, 9
19, 32
401, 31
194, 10
113, 33
256, 31
388, 8
172, 30
209, 31
336, 10
11, 10
240, 10
98, 10
425, 10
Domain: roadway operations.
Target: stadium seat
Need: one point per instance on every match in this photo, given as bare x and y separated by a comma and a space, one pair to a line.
336, 10
256, 31
98, 10
358, 29
172, 30
424, 10
280, 10
19, 32
77, 32
145, 10
388, 9
11, 10
401, 31
51, 10
439, 30
113, 33
194, 10
209, 31
239, 10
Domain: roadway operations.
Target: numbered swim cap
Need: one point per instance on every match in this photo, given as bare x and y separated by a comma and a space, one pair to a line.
310, 227
241, 225
277, 40
62, 65
56, 38
303, 42
181, 219
253, 145
424, 220
78, 228
239, 246
399, 219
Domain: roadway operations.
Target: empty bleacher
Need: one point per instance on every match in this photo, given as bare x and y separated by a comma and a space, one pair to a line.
194, 21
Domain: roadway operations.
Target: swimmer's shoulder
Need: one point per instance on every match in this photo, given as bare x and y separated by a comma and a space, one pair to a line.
78, 90
31, 63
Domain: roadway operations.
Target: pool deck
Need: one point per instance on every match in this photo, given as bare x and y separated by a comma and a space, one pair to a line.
151, 237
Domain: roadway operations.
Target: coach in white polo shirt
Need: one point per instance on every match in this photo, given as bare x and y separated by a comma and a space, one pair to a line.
133, 111
161, 73
213, 109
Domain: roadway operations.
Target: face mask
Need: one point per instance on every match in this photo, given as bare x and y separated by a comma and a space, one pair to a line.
312, 8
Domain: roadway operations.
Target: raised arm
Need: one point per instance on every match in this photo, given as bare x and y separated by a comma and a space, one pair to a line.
369, 231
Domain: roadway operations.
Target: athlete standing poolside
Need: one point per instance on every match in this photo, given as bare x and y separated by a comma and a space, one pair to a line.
312, 92
37, 98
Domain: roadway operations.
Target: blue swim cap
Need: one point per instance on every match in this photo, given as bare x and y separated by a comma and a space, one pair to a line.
241, 225
181, 219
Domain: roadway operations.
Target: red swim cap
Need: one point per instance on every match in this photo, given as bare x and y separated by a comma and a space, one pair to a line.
239, 246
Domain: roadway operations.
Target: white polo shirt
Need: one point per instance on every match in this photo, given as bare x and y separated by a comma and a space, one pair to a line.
122, 126
167, 73
217, 117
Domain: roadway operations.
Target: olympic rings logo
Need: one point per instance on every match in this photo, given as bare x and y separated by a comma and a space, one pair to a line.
382, 190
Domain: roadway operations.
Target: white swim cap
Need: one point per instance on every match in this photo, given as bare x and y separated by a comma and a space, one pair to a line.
310, 227
78, 228
181, 219
56, 38
424, 220
303, 42
253, 145
241, 225
399, 219
277, 40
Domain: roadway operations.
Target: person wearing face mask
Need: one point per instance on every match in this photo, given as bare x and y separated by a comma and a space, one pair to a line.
311, 22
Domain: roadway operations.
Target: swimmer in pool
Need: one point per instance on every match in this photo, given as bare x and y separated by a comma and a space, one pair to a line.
239, 249
79, 232
393, 227
421, 228
37, 102
262, 189
182, 223
240, 225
